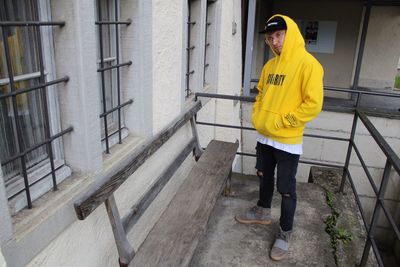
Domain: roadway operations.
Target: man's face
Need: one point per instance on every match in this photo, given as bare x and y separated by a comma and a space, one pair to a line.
275, 40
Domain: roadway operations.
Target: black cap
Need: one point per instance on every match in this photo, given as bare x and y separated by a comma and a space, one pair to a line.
275, 24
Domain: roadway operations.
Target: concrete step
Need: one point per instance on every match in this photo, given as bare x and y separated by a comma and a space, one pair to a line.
229, 243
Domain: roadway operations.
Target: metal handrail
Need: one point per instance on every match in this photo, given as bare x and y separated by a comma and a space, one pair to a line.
392, 161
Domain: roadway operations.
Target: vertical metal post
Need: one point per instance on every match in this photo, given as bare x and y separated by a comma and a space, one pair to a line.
206, 45
188, 49
377, 211
125, 250
118, 73
249, 46
103, 90
360, 54
197, 150
19, 140
349, 150
45, 107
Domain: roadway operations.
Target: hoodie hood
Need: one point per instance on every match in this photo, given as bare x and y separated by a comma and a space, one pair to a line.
290, 90
294, 45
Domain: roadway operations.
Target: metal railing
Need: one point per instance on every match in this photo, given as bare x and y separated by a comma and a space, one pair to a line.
392, 161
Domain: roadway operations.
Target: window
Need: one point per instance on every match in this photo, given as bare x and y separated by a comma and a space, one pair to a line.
29, 148
201, 45
109, 74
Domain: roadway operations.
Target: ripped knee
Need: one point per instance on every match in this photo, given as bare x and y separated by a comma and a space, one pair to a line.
288, 195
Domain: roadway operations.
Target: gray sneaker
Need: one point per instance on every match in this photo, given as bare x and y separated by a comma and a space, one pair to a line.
255, 215
280, 249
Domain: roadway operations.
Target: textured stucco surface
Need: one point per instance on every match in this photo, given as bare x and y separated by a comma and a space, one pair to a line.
381, 48
82, 149
155, 43
167, 59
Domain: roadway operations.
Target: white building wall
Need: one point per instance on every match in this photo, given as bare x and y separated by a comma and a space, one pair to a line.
167, 58
50, 234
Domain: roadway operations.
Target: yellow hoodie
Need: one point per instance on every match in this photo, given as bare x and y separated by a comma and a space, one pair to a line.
290, 90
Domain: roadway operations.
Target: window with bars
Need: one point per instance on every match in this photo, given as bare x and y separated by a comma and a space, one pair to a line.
30, 147
109, 71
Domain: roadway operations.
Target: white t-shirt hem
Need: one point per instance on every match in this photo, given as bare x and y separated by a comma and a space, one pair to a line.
293, 149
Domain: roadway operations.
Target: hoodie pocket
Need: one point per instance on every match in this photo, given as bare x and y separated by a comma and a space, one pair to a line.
268, 122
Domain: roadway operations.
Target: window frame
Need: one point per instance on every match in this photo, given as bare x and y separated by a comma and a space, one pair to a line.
35, 181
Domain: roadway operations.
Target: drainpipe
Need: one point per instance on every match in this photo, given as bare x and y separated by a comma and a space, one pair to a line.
249, 46
360, 54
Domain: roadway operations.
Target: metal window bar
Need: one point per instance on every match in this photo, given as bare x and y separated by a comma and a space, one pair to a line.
42, 87
117, 66
207, 44
392, 161
189, 48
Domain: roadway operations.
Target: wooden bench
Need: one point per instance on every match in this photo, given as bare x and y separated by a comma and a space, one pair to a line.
174, 237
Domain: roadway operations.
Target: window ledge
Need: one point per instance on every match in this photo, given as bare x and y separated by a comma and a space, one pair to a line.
34, 229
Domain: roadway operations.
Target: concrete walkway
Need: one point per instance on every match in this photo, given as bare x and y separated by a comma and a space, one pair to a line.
229, 243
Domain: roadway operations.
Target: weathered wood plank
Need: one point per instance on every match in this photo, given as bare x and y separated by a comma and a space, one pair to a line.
175, 236
112, 180
137, 211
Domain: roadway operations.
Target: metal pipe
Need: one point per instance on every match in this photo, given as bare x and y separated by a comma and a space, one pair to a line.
363, 38
17, 128
130, 101
115, 66
349, 148
32, 184
103, 90
118, 73
227, 97
31, 23
390, 219
364, 166
376, 253
32, 88
377, 210
385, 147
26, 151
188, 48
249, 46
127, 22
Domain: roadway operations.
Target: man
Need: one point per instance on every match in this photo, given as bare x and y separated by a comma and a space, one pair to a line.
290, 94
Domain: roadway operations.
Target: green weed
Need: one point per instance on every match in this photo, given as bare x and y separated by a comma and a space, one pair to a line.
397, 82
336, 234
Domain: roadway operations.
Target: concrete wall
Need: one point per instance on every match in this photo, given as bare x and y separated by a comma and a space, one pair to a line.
381, 50
379, 66
339, 65
334, 152
50, 234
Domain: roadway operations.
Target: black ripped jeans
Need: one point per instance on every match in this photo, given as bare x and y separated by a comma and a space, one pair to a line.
286, 163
